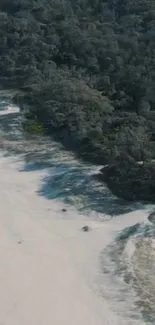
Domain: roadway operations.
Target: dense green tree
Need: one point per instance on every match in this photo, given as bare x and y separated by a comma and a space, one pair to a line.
87, 72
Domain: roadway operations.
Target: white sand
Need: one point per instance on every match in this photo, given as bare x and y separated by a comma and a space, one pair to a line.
47, 265
10, 109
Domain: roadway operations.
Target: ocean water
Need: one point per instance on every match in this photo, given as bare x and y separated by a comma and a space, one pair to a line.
128, 263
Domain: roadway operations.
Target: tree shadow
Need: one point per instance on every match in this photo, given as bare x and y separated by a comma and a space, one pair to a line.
75, 186
10, 126
67, 179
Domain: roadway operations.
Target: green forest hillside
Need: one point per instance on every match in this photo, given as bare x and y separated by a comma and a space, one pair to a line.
87, 69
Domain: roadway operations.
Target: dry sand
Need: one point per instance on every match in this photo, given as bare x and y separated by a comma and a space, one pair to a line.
48, 266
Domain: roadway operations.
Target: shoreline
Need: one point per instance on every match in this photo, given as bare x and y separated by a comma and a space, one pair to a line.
49, 266
137, 187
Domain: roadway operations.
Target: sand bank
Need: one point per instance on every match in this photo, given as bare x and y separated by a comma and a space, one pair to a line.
48, 265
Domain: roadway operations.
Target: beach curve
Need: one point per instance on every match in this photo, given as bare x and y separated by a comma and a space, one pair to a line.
47, 262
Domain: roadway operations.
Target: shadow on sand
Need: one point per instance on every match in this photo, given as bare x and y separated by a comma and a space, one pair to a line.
67, 178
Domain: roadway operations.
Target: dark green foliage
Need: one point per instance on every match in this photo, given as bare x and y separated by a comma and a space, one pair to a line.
131, 181
87, 69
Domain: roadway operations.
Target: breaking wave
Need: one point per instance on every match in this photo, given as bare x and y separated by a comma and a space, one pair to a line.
129, 265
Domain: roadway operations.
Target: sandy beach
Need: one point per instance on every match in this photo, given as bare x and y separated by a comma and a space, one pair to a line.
48, 265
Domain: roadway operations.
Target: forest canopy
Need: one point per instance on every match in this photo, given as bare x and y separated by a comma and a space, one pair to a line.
87, 69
